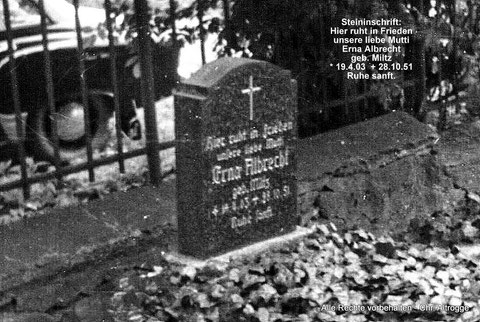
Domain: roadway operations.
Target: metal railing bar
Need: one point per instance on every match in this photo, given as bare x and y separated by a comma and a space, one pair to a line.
226, 12
200, 13
84, 92
147, 89
173, 17
161, 146
49, 87
323, 82
176, 44
113, 71
16, 103
84, 166
73, 169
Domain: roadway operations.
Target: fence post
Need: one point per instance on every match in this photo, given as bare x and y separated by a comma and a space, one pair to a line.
84, 92
200, 13
147, 89
173, 17
453, 60
49, 88
175, 43
116, 90
226, 13
16, 102
420, 69
323, 82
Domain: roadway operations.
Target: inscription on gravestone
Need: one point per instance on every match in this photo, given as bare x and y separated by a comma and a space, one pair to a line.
235, 154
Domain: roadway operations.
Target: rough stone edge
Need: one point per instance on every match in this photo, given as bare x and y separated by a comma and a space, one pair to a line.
378, 160
348, 168
249, 250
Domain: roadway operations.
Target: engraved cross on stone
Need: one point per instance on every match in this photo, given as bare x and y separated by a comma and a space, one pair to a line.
250, 90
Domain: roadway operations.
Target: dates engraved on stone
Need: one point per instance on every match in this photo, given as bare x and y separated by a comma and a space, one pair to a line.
243, 151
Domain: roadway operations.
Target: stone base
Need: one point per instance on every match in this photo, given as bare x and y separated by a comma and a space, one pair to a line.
249, 250
379, 175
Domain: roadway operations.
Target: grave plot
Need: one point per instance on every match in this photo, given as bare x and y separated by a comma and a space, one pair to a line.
236, 162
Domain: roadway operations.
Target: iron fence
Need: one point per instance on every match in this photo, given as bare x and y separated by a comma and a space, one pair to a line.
153, 146
354, 105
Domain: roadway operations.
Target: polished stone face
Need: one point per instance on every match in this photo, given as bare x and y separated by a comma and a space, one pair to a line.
236, 134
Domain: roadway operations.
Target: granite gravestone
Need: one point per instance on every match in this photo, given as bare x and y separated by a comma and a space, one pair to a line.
236, 164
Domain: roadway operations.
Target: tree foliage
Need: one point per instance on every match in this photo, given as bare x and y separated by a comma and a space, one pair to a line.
296, 35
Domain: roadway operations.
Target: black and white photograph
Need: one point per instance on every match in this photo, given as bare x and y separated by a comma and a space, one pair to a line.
239, 160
